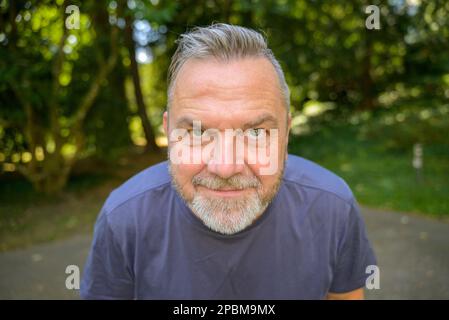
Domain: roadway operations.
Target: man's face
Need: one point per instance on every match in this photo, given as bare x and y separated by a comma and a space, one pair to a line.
228, 194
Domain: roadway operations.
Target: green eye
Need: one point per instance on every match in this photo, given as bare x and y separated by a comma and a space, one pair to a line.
255, 132
196, 132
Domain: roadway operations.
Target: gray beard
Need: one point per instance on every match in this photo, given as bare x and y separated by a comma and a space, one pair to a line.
228, 216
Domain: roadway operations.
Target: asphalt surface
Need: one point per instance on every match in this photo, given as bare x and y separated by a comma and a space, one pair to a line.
412, 252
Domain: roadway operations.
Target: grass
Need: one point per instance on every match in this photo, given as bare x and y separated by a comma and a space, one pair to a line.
380, 178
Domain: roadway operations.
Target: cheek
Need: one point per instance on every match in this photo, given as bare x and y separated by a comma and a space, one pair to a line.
184, 174
268, 185
268, 165
267, 181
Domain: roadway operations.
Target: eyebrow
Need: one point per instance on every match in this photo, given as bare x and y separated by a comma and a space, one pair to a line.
264, 118
187, 121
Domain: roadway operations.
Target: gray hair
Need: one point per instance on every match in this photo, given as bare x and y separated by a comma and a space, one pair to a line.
224, 42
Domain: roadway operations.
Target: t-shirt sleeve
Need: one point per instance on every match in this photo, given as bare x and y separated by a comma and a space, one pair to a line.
355, 254
106, 273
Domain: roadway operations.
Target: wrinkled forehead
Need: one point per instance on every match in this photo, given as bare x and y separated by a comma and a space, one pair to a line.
239, 88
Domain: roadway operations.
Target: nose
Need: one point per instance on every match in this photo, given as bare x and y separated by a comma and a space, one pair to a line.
224, 162
224, 171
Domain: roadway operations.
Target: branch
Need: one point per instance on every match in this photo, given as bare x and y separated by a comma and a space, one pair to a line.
92, 93
53, 103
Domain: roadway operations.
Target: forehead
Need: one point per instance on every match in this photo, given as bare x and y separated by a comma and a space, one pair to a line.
239, 88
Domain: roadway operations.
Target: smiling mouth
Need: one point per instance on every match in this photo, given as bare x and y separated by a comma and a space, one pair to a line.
225, 192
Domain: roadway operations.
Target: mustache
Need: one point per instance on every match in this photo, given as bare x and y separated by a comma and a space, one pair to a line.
234, 182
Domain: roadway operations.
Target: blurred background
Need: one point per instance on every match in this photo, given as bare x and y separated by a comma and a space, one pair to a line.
83, 89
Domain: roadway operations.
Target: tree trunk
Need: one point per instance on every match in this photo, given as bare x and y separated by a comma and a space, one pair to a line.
52, 180
50, 174
367, 84
141, 107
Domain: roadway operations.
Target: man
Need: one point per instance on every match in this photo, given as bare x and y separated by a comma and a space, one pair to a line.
221, 219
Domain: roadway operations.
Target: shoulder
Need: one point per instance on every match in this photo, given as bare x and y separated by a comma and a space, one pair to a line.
328, 203
141, 185
312, 177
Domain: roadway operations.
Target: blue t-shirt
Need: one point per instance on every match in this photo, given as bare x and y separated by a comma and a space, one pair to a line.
148, 244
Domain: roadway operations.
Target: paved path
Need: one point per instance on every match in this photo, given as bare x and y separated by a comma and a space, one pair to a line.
413, 254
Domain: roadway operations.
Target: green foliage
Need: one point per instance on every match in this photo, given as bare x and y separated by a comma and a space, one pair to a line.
51, 78
378, 178
403, 126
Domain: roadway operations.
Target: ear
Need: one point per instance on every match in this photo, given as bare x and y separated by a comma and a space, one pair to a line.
165, 122
289, 126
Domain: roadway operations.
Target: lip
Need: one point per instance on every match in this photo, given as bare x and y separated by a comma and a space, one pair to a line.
225, 193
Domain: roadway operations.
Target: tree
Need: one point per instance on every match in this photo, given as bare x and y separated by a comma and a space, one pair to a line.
134, 70
48, 128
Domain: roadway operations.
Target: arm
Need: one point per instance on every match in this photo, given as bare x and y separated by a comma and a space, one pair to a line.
357, 294
107, 274
354, 255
